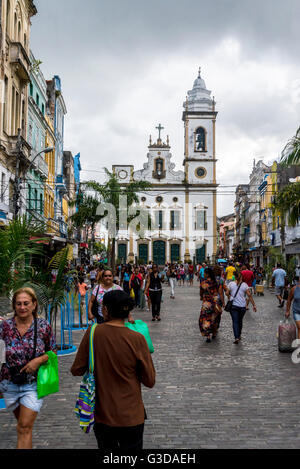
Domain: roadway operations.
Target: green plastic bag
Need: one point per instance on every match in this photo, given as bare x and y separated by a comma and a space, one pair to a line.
47, 378
141, 327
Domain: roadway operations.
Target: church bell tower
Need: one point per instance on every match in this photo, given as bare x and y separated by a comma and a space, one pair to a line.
199, 119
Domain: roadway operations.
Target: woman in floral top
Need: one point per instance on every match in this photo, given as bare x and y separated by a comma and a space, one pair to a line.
211, 293
18, 375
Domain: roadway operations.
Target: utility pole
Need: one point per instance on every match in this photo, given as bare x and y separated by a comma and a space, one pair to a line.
282, 181
17, 182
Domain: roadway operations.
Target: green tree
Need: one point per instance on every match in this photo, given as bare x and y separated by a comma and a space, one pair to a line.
291, 152
110, 193
86, 215
19, 243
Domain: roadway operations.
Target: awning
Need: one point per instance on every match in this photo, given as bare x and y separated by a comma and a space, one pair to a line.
41, 241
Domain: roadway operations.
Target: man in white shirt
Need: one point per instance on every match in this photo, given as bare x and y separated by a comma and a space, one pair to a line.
279, 278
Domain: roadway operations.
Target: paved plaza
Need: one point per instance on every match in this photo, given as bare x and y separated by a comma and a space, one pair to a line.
215, 395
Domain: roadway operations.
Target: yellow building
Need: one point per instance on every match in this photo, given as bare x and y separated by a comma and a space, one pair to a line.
274, 191
49, 193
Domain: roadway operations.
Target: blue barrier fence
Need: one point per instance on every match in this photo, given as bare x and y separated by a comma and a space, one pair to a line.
71, 319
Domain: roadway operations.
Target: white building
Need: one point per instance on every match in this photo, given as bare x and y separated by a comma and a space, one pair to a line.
182, 203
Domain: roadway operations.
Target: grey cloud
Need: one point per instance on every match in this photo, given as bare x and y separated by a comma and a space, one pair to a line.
159, 26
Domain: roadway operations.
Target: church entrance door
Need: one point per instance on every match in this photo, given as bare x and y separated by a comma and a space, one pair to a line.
122, 253
201, 254
143, 253
175, 253
159, 252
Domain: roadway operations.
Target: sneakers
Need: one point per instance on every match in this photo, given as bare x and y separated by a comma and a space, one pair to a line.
281, 304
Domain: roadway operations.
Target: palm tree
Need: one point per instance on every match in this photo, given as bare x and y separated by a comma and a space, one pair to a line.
86, 215
19, 243
291, 152
110, 193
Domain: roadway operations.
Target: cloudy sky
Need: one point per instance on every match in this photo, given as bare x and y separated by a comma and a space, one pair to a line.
126, 65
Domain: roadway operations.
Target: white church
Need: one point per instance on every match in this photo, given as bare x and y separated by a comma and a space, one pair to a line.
182, 204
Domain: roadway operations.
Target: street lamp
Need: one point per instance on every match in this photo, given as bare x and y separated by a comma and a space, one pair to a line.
45, 150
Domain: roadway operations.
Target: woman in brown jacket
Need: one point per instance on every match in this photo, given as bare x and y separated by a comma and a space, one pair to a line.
122, 363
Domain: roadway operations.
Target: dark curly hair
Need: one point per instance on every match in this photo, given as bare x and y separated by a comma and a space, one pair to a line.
118, 304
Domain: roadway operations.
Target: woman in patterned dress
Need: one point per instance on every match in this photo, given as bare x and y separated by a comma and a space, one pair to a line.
27, 338
210, 293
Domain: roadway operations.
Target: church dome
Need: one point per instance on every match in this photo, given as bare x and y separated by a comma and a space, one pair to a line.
199, 82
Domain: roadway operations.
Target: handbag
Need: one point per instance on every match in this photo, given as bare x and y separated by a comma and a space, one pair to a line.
132, 295
142, 328
229, 303
48, 378
85, 404
95, 305
285, 294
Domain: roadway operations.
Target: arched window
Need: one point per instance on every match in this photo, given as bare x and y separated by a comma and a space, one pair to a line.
8, 18
19, 32
200, 139
15, 27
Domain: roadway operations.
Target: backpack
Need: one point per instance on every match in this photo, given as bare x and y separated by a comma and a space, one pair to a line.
135, 283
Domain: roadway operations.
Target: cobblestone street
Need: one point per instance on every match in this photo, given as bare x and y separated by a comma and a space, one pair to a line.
215, 395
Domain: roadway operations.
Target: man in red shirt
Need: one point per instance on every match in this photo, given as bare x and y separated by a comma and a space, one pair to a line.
248, 277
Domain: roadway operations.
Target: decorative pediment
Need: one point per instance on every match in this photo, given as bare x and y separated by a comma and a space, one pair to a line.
165, 168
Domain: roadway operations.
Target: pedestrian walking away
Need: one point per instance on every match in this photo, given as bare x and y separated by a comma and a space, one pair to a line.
237, 292
279, 278
82, 289
93, 276
229, 273
126, 279
136, 282
173, 280
211, 310
248, 277
27, 338
122, 363
294, 297
155, 291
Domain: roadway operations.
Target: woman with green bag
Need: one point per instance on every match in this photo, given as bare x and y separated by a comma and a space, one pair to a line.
27, 339
122, 362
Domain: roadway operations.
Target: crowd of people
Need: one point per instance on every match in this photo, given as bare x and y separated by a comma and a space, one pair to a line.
122, 358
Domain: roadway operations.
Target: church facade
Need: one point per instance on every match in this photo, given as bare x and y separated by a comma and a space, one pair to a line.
181, 203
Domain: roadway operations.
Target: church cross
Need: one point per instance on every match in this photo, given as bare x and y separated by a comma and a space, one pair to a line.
159, 128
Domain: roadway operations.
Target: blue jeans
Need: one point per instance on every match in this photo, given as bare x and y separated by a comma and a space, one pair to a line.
237, 315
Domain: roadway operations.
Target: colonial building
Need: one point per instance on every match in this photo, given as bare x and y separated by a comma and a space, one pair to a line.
37, 173
57, 111
226, 236
181, 203
14, 77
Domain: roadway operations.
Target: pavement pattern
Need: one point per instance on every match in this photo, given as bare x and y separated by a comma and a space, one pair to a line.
209, 396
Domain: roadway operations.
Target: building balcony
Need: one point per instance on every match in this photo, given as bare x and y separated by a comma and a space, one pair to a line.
36, 215
52, 227
40, 165
63, 228
12, 149
20, 61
